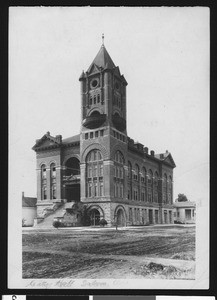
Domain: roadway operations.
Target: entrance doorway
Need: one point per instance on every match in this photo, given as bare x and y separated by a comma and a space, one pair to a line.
94, 217
165, 216
150, 216
170, 216
73, 192
121, 218
156, 216
72, 179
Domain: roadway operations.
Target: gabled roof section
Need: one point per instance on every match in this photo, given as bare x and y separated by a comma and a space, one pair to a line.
71, 139
94, 69
47, 141
102, 60
28, 201
166, 157
185, 204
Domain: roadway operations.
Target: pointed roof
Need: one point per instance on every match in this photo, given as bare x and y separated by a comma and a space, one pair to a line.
166, 157
102, 60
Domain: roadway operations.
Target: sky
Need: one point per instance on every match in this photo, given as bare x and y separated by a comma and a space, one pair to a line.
163, 52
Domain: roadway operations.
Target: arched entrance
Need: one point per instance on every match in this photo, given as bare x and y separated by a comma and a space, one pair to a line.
121, 219
72, 179
94, 217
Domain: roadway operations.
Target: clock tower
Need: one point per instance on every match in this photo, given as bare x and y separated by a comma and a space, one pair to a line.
103, 129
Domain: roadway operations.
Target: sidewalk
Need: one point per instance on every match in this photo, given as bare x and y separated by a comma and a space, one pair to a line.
89, 228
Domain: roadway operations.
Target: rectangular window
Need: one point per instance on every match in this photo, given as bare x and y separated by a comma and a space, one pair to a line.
156, 216
89, 189
101, 170
95, 189
86, 136
178, 214
95, 171
188, 214
44, 193
114, 133
122, 191
117, 172
89, 172
98, 98
101, 132
130, 215
101, 189
44, 173
96, 134
53, 192
117, 195
138, 215
91, 135
135, 216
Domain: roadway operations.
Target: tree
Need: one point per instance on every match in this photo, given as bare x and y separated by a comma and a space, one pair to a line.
56, 224
182, 198
103, 222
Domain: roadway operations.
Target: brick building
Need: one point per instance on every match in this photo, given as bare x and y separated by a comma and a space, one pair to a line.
102, 168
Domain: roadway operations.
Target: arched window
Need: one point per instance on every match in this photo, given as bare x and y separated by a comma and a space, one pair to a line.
43, 182
129, 170
165, 188
156, 179
170, 190
94, 174
143, 184
118, 175
53, 181
129, 188
136, 175
150, 186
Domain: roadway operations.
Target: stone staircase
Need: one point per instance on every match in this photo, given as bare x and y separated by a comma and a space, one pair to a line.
48, 220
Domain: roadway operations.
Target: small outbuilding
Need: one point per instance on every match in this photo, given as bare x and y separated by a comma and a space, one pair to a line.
29, 210
184, 212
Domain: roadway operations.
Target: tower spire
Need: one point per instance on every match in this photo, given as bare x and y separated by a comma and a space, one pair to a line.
103, 40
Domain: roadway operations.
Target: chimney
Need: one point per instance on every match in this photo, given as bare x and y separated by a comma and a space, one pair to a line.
146, 150
161, 156
59, 138
139, 146
131, 142
152, 152
22, 195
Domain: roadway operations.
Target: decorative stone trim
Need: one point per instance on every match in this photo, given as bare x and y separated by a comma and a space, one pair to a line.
92, 147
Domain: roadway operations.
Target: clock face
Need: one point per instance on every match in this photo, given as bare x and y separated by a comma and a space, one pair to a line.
94, 83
